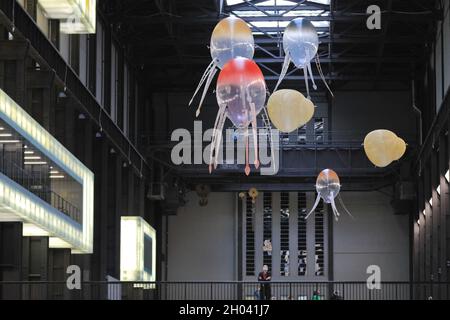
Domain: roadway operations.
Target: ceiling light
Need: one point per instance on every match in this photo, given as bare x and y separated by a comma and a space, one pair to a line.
35, 163
438, 189
447, 176
430, 201
424, 212
233, 2
57, 177
9, 141
54, 171
5, 135
32, 158
28, 152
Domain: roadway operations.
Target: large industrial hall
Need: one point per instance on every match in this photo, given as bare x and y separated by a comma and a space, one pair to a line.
211, 150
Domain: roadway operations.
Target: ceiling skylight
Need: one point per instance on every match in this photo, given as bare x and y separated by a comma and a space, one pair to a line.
272, 16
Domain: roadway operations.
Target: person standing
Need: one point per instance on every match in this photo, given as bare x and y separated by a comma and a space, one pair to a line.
264, 277
316, 295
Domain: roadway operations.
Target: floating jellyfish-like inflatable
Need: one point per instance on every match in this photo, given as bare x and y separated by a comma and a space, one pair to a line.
382, 147
289, 110
241, 95
231, 38
300, 44
328, 187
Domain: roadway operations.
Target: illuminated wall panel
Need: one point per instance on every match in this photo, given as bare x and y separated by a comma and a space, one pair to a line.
77, 16
137, 250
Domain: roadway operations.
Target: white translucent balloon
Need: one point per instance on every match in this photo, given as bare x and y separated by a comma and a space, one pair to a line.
301, 42
241, 95
328, 187
230, 39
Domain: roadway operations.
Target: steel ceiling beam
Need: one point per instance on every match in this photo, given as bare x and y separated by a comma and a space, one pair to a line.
151, 20
204, 59
355, 39
381, 46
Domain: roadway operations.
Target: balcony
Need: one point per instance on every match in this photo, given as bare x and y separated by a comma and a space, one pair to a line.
42, 184
301, 154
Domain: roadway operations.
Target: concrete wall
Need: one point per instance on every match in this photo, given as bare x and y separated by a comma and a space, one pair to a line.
359, 112
375, 237
202, 240
202, 243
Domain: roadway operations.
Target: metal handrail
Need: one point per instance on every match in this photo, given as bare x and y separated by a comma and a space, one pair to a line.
224, 290
27, 180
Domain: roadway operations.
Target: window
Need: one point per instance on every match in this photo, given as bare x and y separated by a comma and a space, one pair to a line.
284, 234
250, 237
319, 245
267, 230
100, 64
276, 9
269, 238
126, 100
302, 234
114, 81
319, 124
84, 58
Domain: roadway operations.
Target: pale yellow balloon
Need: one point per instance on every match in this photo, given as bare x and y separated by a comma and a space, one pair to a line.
380, 147
400, 149
289, 110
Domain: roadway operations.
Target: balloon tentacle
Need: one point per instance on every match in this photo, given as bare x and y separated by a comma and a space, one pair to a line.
214, 135
311, 76
247, 166
255, 134
205, 90
319, 67
314, 206
202, 80
219, 137
345, 208
305, 71
284, 69
268, 127
335, 211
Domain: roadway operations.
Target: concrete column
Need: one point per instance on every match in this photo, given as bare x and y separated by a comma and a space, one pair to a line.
58, 261
293, 235
99, 258
436, 210
10, 258
310, 238
131, 207
141, 198
276, 257
35, 266
258, 229
115, 192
